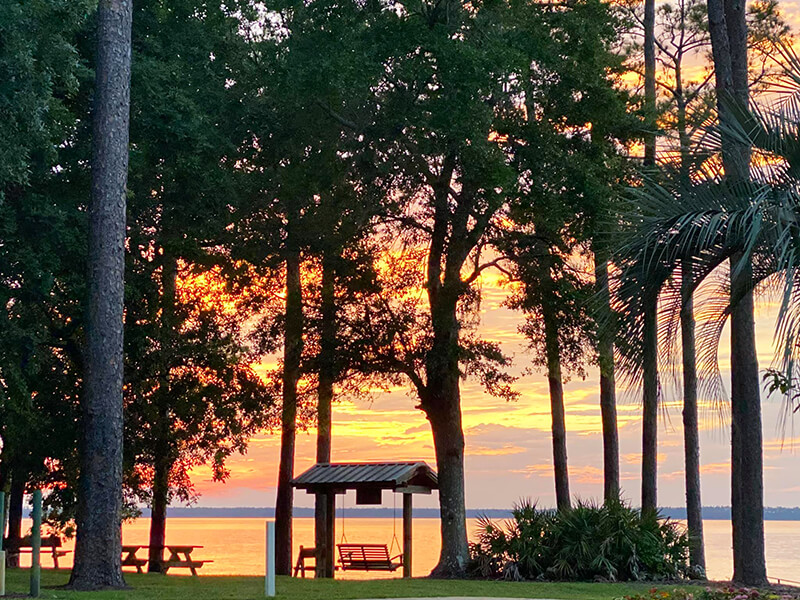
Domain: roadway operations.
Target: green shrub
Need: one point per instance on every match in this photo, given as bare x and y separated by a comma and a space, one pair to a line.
610, 542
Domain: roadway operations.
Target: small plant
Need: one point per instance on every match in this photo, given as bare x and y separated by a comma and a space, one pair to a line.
612, 542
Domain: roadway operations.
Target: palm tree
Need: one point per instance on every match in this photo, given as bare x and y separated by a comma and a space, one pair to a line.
751, 224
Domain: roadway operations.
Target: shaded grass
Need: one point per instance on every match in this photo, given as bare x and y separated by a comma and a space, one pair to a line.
160, 587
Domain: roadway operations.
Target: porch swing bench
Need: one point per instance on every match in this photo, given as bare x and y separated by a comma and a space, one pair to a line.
367, 557
369, 480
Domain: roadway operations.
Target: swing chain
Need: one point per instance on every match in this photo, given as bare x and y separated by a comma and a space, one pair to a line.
395, 541
343, 539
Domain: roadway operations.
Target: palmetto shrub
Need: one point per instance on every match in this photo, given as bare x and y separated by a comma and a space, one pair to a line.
611, 542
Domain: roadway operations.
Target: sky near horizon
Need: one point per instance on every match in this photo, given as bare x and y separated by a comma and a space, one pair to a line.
509, 451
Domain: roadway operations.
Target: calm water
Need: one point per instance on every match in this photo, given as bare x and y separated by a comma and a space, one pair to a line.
237, 545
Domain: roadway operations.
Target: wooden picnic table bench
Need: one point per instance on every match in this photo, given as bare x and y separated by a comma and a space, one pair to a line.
50, 545
129, 558
367, 557
179, 557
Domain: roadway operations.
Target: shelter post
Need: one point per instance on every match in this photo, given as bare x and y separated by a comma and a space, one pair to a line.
407, 537
324, 537
330, 539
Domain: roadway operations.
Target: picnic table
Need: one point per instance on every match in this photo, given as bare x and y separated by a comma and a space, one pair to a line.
180, 556
50, 545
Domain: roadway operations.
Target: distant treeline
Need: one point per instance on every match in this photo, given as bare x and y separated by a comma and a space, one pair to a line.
712, 513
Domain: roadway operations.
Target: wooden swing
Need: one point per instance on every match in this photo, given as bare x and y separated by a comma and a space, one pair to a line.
326, 480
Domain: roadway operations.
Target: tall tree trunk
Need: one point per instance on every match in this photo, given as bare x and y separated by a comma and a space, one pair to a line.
158, 514
747, 478
442, 406
15, 510
728, 30
327, 378
163, 455
293, 348
650, 81
99, 538
559, 426
608, 396
691, 433
650, 356
650, 406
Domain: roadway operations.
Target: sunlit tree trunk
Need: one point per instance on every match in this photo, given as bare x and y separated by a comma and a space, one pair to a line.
293, 348
99, 538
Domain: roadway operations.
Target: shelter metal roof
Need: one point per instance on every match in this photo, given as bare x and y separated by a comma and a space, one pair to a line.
383, 475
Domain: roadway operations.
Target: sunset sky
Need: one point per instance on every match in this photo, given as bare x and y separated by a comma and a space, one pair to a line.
509, 453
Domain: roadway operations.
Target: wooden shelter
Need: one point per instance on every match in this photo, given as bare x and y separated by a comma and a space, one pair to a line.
325, 480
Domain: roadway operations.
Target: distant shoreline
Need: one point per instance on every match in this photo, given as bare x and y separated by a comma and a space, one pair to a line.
710, 513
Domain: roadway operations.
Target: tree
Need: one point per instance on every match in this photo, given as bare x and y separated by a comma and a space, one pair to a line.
454, 182
686, 106
561, 192
608, 395
98, 544
650, 383
556, 325
728, 30
41, 244
191, 396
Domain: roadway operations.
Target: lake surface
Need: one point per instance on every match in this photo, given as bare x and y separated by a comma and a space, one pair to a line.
237, 545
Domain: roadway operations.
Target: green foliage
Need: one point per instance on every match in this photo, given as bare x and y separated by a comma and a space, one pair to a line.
612, 542
38, 69
41, 239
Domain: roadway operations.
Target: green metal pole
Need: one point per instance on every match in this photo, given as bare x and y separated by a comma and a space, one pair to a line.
36, 544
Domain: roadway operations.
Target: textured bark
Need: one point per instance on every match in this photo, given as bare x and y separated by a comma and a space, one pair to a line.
691, 432
650, 81
442, 405
443, 409
292, 352
163, 455
728, 29
15, 506
747, 476
98, 543
158, 516
650, 407
559, 425
327, 377
440, 396
608, 396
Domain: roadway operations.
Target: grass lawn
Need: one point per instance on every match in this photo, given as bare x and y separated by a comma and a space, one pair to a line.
159, 587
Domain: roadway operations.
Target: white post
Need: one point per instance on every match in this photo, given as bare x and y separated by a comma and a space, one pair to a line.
269, 582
